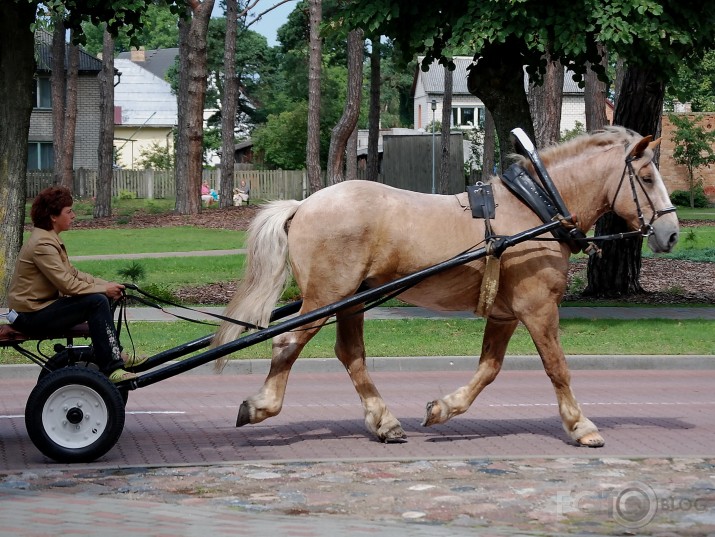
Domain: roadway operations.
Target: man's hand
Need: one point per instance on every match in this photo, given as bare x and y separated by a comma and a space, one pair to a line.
114, 290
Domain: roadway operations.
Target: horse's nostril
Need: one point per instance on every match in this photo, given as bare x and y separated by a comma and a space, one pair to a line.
673, 239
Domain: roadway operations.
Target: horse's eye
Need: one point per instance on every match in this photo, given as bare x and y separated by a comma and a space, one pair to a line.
647, 179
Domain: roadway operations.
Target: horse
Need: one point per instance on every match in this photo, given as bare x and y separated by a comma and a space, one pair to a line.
362, 233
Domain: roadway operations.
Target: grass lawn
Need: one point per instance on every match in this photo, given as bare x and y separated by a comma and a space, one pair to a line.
459, 337
171, 271
144, 240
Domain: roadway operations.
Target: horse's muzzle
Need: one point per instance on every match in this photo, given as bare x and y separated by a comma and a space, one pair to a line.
665, 234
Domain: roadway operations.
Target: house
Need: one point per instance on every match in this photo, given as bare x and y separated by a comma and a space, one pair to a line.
468, 110
145, 112
40, 147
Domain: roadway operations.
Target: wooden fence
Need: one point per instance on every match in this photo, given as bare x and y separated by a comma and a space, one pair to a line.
153, 184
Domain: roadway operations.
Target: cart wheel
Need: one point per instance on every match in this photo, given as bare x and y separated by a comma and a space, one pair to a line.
74, 414
84, 359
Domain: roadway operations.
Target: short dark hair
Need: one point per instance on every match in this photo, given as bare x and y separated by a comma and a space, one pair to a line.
49, 202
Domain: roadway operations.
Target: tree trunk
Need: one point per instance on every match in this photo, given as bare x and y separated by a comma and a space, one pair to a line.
228, 106
312, 159
105, 151
58, 83
639, 107
347, 123
545, 105
489, 146
351, 169
70, 115
595, 96
191, 96
498, 80
17, 67
373, 121
446, 131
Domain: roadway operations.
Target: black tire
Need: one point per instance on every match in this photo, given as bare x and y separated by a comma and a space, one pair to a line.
82, 358
59, 423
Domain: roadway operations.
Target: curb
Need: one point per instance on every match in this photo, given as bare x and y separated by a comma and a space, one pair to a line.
432, 363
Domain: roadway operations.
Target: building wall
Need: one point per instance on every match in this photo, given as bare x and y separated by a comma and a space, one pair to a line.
573, 109
676, 176
129, 151
87, 129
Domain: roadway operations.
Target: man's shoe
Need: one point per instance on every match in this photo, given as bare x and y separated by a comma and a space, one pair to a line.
120, 376
134, 361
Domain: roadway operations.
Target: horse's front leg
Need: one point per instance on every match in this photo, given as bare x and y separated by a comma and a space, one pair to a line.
543, 325
350, 350
269, 399
494, 344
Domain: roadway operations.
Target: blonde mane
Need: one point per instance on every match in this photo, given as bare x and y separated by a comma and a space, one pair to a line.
583, 144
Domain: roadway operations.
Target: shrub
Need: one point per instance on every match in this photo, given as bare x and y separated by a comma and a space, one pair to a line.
682, 198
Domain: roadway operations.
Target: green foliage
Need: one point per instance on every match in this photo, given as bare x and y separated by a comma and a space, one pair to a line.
158, 29
695, 83
162, 292
681, 198
134, 272
156, 157
662, 34
577, 130
126, 195
693, 149
282, 140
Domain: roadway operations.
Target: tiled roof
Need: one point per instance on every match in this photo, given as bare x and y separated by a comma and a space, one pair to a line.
433, 80
156, 61
43, 48
144, 98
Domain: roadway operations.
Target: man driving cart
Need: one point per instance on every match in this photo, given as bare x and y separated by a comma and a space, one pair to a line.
48, 295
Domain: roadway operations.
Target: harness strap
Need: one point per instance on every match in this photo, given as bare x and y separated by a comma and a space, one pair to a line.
534, 196
133, 287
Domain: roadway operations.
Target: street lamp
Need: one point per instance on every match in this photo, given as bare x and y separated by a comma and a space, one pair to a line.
434, 107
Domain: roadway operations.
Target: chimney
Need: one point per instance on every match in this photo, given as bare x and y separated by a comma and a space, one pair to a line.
137, 55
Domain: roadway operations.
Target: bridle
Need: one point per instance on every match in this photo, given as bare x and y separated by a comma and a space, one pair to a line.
645, 229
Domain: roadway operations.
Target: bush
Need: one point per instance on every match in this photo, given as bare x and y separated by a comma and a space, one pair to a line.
682, 198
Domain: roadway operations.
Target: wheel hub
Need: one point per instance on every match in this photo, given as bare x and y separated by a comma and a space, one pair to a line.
75, 415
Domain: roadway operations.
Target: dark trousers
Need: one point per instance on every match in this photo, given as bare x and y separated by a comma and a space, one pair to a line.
67, 312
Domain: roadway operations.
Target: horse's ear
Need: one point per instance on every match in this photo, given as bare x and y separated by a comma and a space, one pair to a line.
654, 143
640, 147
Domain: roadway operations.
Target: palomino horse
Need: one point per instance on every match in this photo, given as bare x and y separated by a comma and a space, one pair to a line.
361, 233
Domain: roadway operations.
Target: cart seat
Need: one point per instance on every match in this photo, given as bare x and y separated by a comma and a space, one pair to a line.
9, 335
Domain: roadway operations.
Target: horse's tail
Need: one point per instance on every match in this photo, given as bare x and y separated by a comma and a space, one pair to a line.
267, 270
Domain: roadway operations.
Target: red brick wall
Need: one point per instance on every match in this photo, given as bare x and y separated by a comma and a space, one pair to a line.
675, 176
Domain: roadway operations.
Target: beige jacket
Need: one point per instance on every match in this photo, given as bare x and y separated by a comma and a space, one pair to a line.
43, 274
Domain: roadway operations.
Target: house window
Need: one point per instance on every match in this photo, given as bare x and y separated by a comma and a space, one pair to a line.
40, 156
465, 116
43, 93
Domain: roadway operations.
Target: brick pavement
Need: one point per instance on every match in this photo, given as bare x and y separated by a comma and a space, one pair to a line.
505, 468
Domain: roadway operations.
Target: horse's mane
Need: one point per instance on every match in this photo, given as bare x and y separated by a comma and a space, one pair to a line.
600, 139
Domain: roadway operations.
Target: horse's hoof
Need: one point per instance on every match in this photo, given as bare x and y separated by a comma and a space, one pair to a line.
244, 415
432, 414
592, 440
395, 436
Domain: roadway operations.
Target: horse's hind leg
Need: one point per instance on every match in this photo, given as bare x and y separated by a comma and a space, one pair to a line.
350, 350
269, 399
494, 344
543, 325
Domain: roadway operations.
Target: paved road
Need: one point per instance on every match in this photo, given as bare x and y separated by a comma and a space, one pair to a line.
504, 468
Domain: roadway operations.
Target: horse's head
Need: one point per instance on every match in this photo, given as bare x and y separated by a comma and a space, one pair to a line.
642, 200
